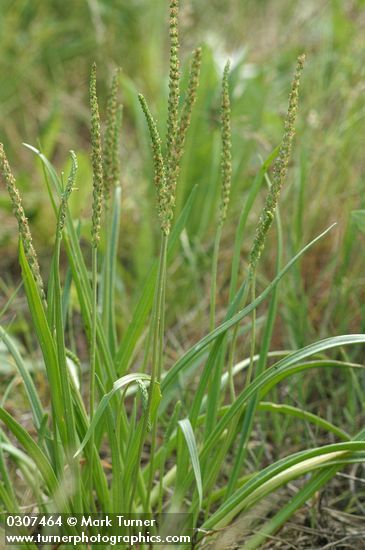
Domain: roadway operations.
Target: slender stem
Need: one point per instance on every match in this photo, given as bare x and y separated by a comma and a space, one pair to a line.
106, 290
232, 350
161, 482
62, 363
94, 264
253, 330
255, 187
157, 328
265, 343
213, 283
111, 238
93, 329
251, 278
157, 352
232, 428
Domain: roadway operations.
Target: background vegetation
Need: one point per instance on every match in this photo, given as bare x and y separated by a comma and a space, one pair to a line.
46, 50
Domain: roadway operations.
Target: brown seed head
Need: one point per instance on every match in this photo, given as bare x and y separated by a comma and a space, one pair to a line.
96, 157
22, 220
226, 155
280, 169
111, 135
162, 189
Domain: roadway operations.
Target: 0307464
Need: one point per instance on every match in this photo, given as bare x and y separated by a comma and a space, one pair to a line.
24, 520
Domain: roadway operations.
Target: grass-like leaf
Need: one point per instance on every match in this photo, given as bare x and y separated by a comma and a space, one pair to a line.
117, 386
187, 430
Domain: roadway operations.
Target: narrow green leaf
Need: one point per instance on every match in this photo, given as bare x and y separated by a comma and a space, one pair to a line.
187, 430
144, 304
289, 410
109, 269
266, 381
275, 374
38, 457
318, 480
132, 475
265, 346
32, 394
358, 217
184, 361
275, 475
239, 237
117, 386
80, 274
45, 341
82, 423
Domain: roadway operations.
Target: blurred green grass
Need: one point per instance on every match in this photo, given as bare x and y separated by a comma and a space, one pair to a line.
46, 50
